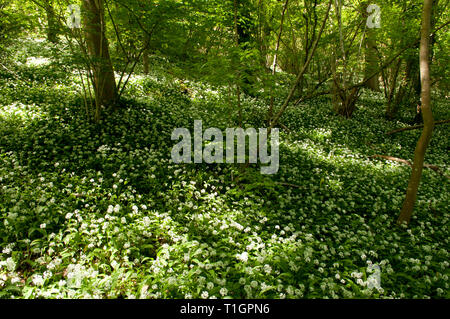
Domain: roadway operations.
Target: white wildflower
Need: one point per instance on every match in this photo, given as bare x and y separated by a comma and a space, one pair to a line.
10, 264
223, 291
205, 295
242, 257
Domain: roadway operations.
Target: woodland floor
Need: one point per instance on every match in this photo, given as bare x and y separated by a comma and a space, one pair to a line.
98, 210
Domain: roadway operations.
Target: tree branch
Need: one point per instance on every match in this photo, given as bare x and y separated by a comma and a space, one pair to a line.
302, 72
403, 161
409, 128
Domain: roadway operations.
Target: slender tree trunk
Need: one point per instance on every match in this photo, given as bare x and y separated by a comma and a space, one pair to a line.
288, 99
344, 98
243, 25
424, 140
334, 87
275, 61
238, 73
391, 107
145, 56
145, 62
264, 32
106, 93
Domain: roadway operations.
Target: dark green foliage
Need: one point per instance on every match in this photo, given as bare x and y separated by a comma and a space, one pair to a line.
98, 210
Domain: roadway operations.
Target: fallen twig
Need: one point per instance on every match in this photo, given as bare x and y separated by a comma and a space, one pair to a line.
406, 162
409, 128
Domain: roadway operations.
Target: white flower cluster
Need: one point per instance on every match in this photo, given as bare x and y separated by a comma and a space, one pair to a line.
76, 273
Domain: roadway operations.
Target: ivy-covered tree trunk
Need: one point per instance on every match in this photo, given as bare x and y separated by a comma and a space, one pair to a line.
106, 93
424, 140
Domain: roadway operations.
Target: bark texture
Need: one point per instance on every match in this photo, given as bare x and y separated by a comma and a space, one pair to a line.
52, 25
424, 140
106, 93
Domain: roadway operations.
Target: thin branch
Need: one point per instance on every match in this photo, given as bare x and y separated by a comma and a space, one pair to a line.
116, 30
392, 59
275, 60
409, 128
405, 162
302, 72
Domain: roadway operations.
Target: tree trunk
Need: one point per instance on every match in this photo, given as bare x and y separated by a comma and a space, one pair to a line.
243, 26
424, 140
52, 26
104, 83
302, 72
370, 54
145, 62
275, 62
390, 87
344, 98
145, 56
371, 62
238, 73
